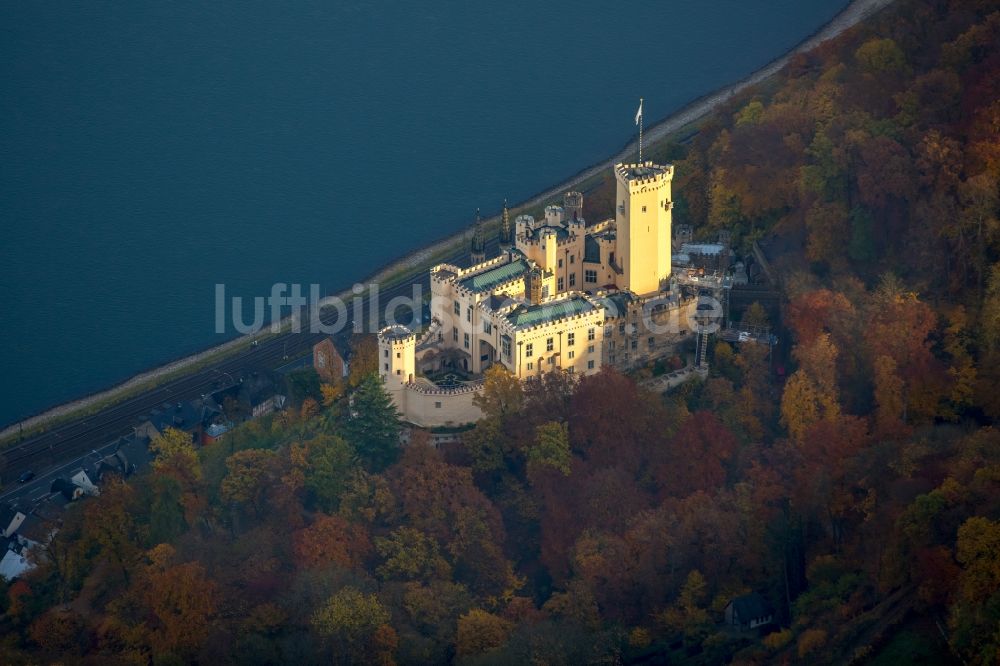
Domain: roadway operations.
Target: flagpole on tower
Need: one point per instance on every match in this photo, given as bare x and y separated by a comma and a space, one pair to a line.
638, 121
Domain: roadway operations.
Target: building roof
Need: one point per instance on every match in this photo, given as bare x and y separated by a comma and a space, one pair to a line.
751, 606
187, 415
561, 232
216, 430
533, 315
66, 488
494, 277
702, 248
616, 304
13, 565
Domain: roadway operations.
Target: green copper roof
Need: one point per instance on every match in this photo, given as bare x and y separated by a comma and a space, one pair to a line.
533, 315
495, 276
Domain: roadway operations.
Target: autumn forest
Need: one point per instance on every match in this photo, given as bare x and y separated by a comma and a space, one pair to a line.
857, 492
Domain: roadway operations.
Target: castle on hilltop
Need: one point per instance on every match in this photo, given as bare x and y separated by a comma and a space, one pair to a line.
561, 295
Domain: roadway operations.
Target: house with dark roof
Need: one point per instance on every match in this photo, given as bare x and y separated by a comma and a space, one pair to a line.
115, 464
191, 416
255, 395
66, 489
748, 611
10, 519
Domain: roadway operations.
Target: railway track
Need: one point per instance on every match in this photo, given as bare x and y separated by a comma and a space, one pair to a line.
85, 433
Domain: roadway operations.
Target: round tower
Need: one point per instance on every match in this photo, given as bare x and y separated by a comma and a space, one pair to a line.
396, 352
573, 206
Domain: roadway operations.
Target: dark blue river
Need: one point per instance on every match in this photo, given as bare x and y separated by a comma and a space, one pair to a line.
151, 150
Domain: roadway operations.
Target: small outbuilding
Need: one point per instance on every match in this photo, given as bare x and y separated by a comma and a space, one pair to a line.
748, 611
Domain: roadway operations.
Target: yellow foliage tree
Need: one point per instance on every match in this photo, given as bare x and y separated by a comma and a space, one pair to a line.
480, 631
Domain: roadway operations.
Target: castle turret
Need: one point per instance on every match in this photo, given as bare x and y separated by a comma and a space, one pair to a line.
554, 216
573, 206
533, 285
396, 361
506, 231
478, 254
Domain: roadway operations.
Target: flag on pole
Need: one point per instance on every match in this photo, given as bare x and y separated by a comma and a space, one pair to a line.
638, 114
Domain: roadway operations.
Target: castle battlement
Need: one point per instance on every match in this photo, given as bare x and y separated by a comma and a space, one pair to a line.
647, 173
434, 390
396, 335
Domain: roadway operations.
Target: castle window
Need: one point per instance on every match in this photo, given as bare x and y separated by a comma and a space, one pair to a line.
437, 405
590, 365
468, 313
590, 334
570, 370
398, 355
387, 367
505, 347
399, 372
545, 291
529, 350
560, 263
458, 308
651, 341
572, 354
590, 349
466, 340
487, 327
560, 285
570, 339
531, 366
387, 353
454, 334
572, 258
634, 344
549, 345
552, 360
621, 327
590, 276
572, 279
643, 209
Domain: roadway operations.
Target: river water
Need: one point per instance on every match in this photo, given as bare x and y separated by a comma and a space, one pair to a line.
149, 151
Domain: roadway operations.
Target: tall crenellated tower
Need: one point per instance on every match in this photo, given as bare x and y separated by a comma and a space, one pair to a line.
643, 219
396, 361
478, 254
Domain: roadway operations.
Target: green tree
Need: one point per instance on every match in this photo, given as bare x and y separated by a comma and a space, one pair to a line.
304, 384
373, 425
976, 612
330, 463
409, 554
551, 449
880, 56
250, 477
352, 619
688, 615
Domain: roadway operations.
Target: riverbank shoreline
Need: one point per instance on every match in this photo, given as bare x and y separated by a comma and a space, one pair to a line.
418, 260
